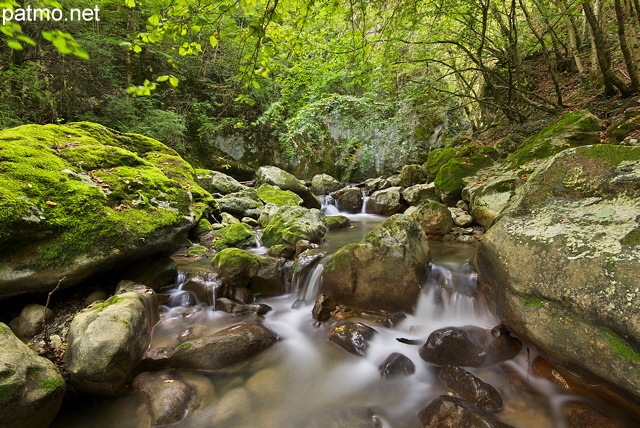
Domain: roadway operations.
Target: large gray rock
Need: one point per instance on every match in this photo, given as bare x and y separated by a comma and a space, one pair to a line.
285, 181
31, 321
224, 348
382, 272
323, 184
434, 218
493, 195
245, 203
217, 182
560, 267
31, 388
290, 224
386, 202
349, 199
107, 340
420, 194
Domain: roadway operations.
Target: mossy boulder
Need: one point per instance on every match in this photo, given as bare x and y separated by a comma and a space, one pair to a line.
107, 340
31, 388
323, 184
624, 126
420, 194
273, 195
245, 203
241, 269
559, 267
290, 224
235, 235
434, 218
454, 175
285, 181
386, 202
79, 198
349, 199
491, 195
440, 157
336, 222
410, 175
217, 182
573, 129
384, 271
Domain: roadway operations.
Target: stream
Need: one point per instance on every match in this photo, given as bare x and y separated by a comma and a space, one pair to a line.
305, 381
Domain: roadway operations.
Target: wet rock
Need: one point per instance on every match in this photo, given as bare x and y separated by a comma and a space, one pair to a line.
204, 285
323, 184
217, 182
568, 250
434, 218
420, 194
226, 219
349, 199
583, 416
107, 340
384, 271
241, 269
461, 218
302, 246
274, 195
468, 346
492, 196
224, 348
386, 202
352, 337
31, 320
252, 222
285, 181
243, 295
410, 175
290, 224
397, 364
267, 214
167, 397
447, 412
281, 250
235, 308
470, 388
241, 204
337, 222
31, 388
231, 407
323, 307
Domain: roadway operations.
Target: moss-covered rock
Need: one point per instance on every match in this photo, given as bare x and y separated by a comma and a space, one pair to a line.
349, 199
323, 184
285, 181
454, 175
79, 198
238, 235
274, 195
420, 194
31, 388
623, 127
241, 269
217, 182
560, 265
434, 218
491, 194
384, 271
290, 224
410, 175
245, 203
440, 157
336, 222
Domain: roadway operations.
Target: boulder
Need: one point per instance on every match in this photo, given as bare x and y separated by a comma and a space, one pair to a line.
352, 337
454, 175
336, 222
273, 195
440, 157
420, 194
373, 184
285, 181
470, 388
323, 307
168, 397
238, 268
395, 365
386, 202
349, 199
217, 182
155, 274
410, 175
291, 224
323, 184
559, 268
107, 340
31, 320
81, 198
224, 348
239, 235
382, 272
488, 198
245, 203
31, 388
447, 411
468, 346
621, 128
236, 308
434, 218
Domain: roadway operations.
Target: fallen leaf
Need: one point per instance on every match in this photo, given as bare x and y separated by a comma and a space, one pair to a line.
53, 204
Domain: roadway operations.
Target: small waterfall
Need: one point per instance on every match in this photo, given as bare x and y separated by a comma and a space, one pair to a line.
329, 205
305, 287
194, 287
259, 249
365, 199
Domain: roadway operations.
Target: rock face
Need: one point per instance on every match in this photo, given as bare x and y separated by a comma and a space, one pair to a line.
285, 181
560, 267
386, 202
384, 271
79, 198
107, 340
323, 184
224, 348
217, 182
31, 388
290, 224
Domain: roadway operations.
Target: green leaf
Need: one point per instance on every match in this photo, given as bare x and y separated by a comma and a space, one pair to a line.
173, 81
213, 40
137, 49
14, 44
130, 3
255, 84
162, 78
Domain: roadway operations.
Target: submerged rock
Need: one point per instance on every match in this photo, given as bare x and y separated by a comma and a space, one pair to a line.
168, 397
31, 388
107, 340
384, 271
469, 346
470, 388
81, 198
447, 411
560, 267
224, 348
352, 337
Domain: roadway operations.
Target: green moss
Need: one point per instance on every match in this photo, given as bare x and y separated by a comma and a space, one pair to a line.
341, 258
234, 235
272, 194
437, 158
338, 222
450, 179
232, 261
620, 347
51, 383
185, 345
611, 154
110, 301
631, 238
197, 250
532, 301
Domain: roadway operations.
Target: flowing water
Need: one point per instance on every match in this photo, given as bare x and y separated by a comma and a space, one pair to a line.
304, 380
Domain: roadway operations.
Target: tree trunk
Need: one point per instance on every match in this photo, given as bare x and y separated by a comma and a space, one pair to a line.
574, 43
632, 68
